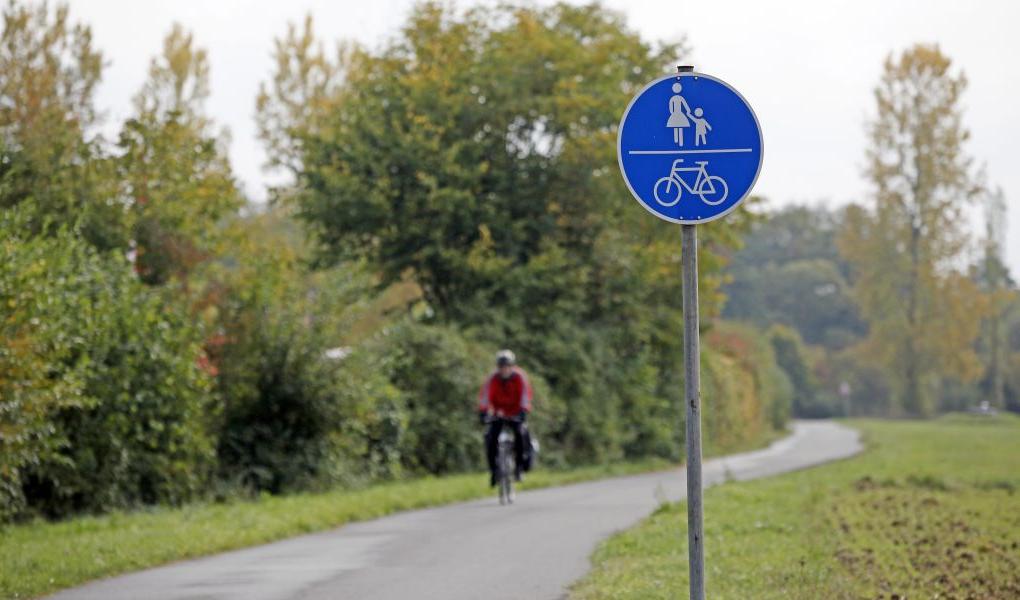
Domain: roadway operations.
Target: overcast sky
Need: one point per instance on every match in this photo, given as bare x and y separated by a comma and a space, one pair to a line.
807, 67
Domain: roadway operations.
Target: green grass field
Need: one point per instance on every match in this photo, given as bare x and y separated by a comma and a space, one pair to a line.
930, 510
41, 557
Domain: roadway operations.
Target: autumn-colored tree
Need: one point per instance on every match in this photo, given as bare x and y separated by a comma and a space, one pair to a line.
906, 248
50, 71
996, 283
51, 154
291, 106
174, 170
178, 81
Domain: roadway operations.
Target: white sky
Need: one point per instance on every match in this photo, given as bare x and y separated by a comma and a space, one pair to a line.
808, 67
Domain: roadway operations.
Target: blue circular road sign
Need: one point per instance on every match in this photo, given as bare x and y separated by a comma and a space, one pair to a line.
690, 148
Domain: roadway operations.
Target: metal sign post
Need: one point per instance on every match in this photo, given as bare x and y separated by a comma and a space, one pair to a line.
690, 150
692, 399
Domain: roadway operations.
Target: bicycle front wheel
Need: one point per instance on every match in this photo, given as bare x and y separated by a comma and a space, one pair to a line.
667, 191
713, 190
506, 482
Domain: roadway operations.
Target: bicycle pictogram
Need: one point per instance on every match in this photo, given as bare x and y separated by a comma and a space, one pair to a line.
712, 189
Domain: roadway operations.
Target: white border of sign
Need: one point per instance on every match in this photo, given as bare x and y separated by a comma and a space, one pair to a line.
619, 150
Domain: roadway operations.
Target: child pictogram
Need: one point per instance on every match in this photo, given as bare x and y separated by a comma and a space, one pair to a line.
701, 127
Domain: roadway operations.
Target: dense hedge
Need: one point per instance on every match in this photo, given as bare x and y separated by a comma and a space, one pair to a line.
103, 385
745, 393
102, 402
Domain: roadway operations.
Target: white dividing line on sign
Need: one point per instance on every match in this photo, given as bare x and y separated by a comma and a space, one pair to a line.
688, 151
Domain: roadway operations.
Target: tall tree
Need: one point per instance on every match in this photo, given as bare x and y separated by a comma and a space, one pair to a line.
489, 131
51, 155
474, 155
175, 173
178, 81
291, 106
906, 248
995, 281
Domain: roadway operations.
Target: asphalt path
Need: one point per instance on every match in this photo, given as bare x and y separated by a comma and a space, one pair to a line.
533, 549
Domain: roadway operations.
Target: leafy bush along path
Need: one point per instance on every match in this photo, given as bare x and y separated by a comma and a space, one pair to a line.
931, 510
41, 557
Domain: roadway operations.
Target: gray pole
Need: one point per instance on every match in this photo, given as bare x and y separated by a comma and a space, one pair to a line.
692, 398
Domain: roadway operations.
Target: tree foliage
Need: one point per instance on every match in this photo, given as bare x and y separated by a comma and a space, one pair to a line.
284, 401
178, 80
792, 358
789, 272
994, 279
924, 311
51, 156
474, 155
174, 172
289, 108
483, 137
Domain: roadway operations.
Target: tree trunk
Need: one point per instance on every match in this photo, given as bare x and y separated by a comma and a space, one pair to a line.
995, 359
912, 401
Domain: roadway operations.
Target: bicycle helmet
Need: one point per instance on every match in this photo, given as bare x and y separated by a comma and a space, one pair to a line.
505, 357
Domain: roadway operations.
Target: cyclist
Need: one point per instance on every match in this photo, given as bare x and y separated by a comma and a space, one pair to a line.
505, 400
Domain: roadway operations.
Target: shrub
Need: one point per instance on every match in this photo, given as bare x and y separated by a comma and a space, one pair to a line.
437, 372
283, 399
745, 393
281, 402
103, 402
143, 434
809, 400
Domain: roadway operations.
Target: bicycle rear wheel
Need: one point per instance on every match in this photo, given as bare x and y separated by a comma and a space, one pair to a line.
713, 190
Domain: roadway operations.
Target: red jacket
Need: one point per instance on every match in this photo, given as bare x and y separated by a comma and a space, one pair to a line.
508, 396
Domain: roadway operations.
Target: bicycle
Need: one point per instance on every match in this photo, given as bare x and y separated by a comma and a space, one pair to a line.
506, 464
712, 189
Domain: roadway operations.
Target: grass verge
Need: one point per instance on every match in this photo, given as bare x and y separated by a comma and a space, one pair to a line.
930, 510
41, 557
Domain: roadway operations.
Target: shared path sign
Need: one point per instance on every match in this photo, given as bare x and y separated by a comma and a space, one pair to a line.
689, 147
690, 151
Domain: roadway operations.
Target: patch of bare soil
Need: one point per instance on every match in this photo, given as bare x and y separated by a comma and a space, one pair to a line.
922, 539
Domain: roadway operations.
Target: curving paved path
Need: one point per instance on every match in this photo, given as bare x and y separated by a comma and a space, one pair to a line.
533, 549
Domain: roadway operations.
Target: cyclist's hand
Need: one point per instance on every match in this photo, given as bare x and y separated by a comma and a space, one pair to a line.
483, 418
522, 416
